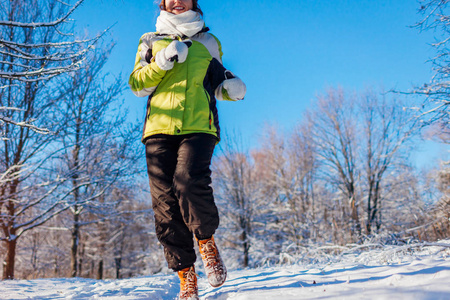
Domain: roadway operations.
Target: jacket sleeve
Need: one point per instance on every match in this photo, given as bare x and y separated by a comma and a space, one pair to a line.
146, 74
219, 75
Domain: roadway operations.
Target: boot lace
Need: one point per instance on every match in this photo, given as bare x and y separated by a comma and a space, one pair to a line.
209, 253
189, 284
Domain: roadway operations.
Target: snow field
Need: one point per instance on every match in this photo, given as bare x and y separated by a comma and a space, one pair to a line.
389, 273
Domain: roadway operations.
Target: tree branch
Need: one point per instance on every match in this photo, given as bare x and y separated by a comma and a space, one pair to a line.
42, 24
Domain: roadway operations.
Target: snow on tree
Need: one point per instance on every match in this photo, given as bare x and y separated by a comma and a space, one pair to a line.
435, 109
35, 48
98, 145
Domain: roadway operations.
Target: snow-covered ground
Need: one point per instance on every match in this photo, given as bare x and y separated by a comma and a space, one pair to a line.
390, 272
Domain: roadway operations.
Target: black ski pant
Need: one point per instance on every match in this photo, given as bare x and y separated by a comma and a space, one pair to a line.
182, 198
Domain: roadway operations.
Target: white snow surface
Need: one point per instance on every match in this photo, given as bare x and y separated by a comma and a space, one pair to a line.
388, 272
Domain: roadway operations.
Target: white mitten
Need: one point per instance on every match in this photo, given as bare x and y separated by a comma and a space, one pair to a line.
235, 88
176, 51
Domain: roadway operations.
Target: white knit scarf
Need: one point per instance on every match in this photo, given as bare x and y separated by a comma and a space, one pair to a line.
188, 23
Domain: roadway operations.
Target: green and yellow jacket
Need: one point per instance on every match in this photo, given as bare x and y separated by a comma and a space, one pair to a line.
180, 100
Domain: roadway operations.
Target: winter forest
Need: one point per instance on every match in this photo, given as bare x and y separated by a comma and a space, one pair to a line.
74, 196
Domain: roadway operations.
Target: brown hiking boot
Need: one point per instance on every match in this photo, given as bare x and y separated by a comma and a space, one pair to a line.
214, 267
188, 284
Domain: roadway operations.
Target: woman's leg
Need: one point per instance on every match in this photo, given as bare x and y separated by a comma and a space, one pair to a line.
192, 182
171, 230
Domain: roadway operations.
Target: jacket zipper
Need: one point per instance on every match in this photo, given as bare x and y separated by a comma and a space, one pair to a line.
209, 107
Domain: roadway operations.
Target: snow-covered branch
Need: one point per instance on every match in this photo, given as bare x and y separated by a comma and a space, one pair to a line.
435, 108
42, 24
27, 124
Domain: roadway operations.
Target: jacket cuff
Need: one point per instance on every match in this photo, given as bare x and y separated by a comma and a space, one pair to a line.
218, 93
221, 93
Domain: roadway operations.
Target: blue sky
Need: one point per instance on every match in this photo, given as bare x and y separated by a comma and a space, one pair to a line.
287, 52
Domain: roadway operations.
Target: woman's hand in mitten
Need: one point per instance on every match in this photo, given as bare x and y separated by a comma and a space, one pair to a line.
176, 51
235, 88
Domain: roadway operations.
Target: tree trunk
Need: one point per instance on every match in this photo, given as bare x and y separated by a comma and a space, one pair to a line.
246, 254
56, 265
369, 212
8, 264
118, 261
246, 247
355, 217
75, 242
356, 226
373, 203
10, 232
100, 270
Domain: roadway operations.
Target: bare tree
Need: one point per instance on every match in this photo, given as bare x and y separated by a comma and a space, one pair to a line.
28, 56
441, 227
117, 245
435, 109
359, 138
334, 131
99, 143
303, 160
387, 129
33, 50
234, 185
290, 166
